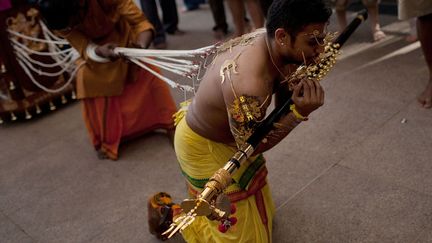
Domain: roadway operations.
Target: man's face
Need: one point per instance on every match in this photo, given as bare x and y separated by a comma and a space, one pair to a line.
309, 43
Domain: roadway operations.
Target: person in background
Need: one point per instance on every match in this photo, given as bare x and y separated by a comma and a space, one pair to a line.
412, 35
191, 5
422, 10
238, 13
169, 23
119, 100
220, 29
372, 6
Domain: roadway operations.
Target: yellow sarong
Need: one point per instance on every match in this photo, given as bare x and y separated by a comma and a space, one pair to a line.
199, 158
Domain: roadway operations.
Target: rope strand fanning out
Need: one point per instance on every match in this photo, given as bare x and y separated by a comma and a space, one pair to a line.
183, 63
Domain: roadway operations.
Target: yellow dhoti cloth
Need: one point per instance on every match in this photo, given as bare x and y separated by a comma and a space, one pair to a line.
199, 158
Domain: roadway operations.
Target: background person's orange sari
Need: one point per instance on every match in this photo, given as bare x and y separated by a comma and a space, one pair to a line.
144, 105
120, 101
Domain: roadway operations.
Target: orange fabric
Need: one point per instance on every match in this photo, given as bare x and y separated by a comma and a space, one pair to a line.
144, 105
106, 21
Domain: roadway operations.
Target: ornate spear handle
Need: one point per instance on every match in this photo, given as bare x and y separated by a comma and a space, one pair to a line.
203, 204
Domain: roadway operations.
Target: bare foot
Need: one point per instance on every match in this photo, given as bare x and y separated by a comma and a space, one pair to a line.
411, 38
220, 34
176, 32
378, 35
425, 98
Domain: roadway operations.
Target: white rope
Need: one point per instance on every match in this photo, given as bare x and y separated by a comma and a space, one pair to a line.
175, 68
24, 47
91, 53
168, 81
175, 61
50, 36
184, 61
40, 72
61, 62
48, 90
64, 58
135, 52
17, 34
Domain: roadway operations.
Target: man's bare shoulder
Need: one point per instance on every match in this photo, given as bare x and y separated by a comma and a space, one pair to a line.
251, 72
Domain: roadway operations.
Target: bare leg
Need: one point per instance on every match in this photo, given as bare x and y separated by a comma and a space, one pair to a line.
238, 14
256, 13
340, 7
377, 33
341, 16
424, 25
412, 36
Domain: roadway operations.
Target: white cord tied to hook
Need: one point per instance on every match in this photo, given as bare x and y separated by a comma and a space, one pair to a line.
184, 63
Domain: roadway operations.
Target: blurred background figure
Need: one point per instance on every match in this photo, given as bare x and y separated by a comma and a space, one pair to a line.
372, 7
120, 101
423, 11
220, 29
169, 23
238, 12
265, 5
412, 36
190, 5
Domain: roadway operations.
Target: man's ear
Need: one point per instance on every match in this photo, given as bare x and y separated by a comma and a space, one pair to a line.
282, 37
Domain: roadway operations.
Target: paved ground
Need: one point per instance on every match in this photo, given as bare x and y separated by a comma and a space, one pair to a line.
358, 171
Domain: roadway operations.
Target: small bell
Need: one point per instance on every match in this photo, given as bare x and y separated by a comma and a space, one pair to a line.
11, 85
52, 106
28, 116
73, 95
38, 109
13, 117
1, 120
63, 99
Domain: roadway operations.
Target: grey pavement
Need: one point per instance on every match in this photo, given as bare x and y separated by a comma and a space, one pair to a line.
357, 171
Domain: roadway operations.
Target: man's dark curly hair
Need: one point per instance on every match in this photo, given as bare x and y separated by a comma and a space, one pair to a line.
294, 15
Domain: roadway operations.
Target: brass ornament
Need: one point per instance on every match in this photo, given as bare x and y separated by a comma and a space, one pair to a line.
52, 106
316, 70
38, 109
3, 68
28, 116
13, 117
27, 25
12, 85
63, 99
246, 113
